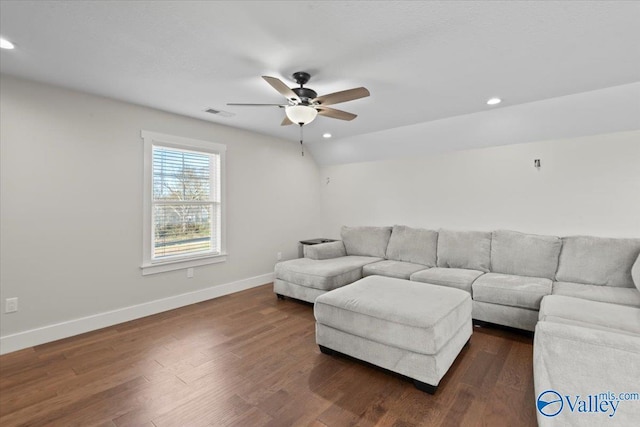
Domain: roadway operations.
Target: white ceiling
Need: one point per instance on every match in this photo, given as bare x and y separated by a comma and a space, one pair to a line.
421, 61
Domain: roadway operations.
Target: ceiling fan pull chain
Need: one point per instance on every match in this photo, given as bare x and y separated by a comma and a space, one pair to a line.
301, 146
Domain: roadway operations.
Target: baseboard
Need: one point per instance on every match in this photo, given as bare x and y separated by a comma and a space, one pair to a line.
70, 328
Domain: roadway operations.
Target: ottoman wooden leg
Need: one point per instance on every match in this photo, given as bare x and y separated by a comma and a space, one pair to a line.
428, 388
280, 296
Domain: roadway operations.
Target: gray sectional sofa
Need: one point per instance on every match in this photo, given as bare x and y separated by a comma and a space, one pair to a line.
581, 295
507, 273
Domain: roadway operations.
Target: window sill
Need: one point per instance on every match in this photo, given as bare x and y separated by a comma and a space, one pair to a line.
180, 264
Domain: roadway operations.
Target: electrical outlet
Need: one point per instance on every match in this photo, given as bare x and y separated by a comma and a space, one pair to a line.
190, 273
11, 305
279, 256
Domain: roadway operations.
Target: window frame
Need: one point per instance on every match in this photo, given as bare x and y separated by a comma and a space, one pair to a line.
153, 266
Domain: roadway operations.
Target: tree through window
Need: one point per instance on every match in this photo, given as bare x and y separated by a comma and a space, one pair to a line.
185, 206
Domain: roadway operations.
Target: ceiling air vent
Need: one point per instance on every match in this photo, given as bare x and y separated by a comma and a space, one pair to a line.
220, 113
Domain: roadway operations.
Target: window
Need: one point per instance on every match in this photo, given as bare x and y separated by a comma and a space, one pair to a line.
183, 203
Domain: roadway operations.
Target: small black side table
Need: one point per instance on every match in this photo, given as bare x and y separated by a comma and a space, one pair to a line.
311, 242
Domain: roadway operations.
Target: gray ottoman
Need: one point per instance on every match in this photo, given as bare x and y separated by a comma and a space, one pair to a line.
411, 328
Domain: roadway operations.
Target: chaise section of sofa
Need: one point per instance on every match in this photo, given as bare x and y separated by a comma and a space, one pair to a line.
586, 348
305, 279
328, 266
575, 362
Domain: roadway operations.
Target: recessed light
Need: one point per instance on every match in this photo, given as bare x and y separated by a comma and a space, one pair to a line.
326, 135
494, 101
6, 44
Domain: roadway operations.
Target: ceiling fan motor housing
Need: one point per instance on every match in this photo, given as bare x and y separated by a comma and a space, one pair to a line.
305, 94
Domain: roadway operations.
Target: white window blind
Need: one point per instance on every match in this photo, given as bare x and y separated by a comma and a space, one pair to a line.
184, 203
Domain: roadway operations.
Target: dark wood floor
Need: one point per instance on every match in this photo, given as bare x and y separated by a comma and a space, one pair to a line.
248, 359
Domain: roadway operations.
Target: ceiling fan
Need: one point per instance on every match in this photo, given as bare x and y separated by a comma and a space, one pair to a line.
304, 104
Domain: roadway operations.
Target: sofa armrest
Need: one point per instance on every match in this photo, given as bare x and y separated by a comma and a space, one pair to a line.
575, 360
635, 272
325, 250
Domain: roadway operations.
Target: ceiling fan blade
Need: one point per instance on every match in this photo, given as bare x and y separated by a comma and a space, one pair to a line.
335, 114
281, 87
286, 121
256, 105
343, 96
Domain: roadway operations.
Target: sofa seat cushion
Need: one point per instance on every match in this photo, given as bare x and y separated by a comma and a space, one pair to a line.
453, 277
592, 314
399, 313
515, 291
323, 274
416, 245
610, 294
397, 269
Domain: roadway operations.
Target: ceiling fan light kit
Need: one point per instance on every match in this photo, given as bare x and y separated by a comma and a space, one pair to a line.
300, 114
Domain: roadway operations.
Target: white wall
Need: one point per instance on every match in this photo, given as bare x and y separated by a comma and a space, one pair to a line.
587, 185
71, 204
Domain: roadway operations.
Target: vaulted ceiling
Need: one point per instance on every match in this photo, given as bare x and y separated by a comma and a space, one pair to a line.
421, 61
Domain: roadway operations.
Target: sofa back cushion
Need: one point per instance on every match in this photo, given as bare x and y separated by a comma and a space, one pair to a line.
416, 245
366, 241
597, 260
524, 254
464, 249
